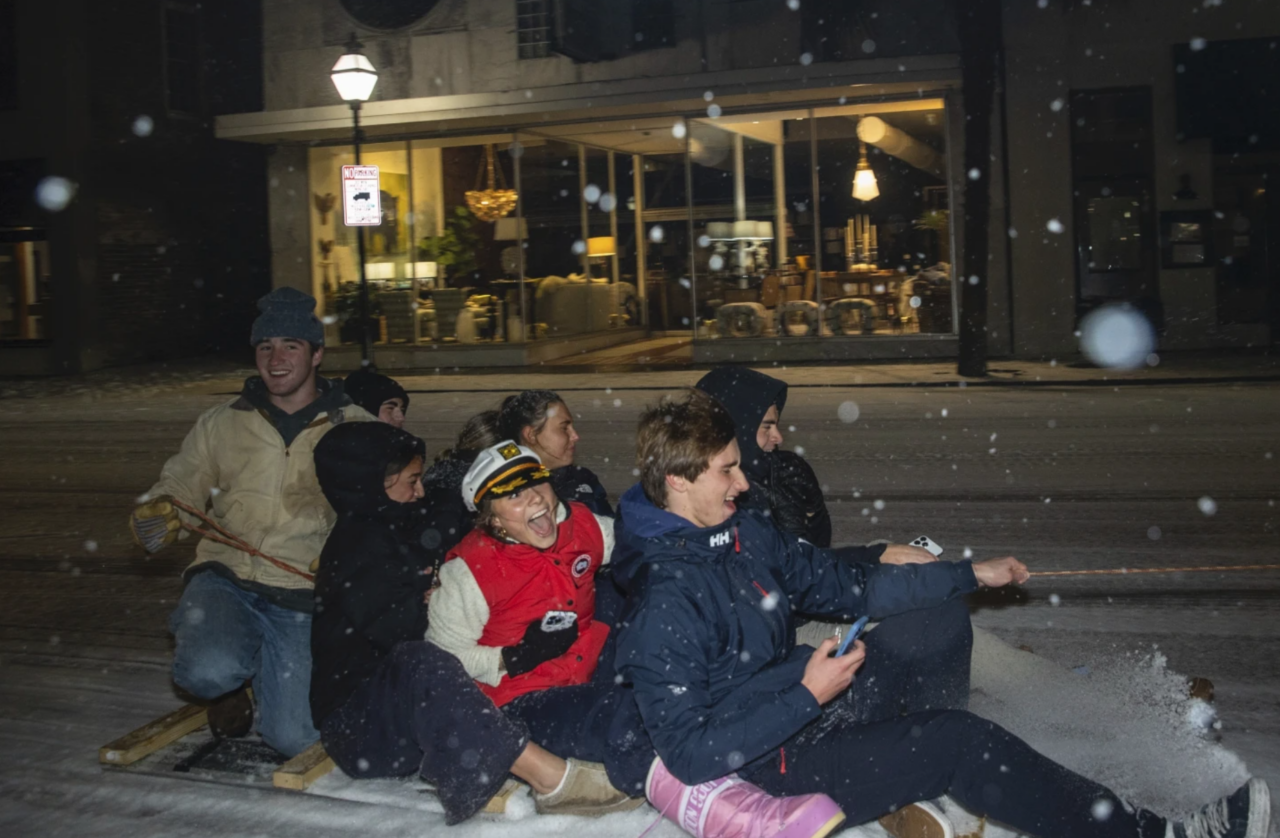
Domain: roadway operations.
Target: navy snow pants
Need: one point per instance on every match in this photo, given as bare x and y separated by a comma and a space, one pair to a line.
421, 712
595, 722
901, 735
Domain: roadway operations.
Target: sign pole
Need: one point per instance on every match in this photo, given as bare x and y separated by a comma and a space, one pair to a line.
366, 348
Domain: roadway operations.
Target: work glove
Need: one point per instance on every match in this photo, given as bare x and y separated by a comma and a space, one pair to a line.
155, 525
544, 640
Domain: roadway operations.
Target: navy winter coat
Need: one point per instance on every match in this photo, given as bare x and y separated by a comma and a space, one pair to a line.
708, 637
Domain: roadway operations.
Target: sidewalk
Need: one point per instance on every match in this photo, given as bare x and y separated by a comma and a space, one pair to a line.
211, 375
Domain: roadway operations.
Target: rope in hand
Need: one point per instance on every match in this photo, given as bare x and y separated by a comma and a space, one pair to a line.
222, 536
1124, 571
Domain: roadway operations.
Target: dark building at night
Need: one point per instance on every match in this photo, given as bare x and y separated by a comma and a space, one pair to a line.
163, 246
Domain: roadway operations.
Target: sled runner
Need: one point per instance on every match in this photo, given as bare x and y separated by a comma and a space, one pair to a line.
179, 745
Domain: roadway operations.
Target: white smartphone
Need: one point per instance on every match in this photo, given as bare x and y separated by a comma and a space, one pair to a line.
927, 543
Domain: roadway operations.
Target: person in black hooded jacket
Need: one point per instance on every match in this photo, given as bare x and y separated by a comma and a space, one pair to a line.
387, 702
783, 485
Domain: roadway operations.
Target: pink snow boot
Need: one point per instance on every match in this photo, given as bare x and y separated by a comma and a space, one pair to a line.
733, 808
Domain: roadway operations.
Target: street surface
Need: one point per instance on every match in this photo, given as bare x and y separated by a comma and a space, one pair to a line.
1065, 477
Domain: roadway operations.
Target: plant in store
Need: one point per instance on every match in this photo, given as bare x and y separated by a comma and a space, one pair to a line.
455, 249
939, 223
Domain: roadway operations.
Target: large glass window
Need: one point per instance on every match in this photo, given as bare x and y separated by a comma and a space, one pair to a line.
810, 223
24, 285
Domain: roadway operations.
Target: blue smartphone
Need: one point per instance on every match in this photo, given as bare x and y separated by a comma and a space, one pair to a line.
854, 631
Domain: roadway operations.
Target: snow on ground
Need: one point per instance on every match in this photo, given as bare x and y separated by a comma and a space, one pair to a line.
1078, 478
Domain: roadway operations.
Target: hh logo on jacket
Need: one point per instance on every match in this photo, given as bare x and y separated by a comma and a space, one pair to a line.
720, 539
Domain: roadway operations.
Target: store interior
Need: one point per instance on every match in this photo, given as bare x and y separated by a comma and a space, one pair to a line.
818, 222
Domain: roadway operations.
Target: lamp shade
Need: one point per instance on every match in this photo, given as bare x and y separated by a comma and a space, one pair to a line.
601, 246
864, 185
510, 229
425, 270
354, 75
380, 270
720, 230
864, 180
744, 229
764, 230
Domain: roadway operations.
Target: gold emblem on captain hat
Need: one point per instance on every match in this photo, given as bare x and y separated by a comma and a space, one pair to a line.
509, 451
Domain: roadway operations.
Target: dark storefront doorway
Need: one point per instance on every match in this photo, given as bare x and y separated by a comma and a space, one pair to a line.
1114, 208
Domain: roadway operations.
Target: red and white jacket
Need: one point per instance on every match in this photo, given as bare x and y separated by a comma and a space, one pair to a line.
491, 590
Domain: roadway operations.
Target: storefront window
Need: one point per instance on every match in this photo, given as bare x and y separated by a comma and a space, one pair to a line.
436, 272
884, 225
24, 285
809, 223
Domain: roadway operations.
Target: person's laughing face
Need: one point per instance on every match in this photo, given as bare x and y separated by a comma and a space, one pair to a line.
528, 516
287, 365
710, 499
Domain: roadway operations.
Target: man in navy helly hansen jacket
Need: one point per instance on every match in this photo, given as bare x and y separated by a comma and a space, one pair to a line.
708, 642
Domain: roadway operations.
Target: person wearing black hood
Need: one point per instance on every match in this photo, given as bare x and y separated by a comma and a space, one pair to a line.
387, 702
782, 485
381, 396
445, 518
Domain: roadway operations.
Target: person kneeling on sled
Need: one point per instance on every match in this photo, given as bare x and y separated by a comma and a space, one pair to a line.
516, 604
245, 613
708, 640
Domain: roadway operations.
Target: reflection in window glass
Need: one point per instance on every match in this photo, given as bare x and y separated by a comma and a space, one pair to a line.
24, 285
1115, 234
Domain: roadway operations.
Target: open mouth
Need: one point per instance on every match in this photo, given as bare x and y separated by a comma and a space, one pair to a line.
542, 524
278, 373
730, 505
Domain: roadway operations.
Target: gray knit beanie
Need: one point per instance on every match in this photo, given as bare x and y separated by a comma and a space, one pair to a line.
287, 313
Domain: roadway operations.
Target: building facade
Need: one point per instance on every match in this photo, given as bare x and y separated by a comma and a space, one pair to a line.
776, 179
127, 231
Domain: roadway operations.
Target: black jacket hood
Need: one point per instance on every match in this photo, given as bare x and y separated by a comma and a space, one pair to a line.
746, 394
351, 465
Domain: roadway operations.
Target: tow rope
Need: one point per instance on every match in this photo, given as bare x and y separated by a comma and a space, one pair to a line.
222, 536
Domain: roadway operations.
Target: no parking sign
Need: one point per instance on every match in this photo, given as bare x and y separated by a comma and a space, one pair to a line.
361, 200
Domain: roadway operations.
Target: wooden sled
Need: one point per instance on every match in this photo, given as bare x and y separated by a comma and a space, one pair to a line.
167, 747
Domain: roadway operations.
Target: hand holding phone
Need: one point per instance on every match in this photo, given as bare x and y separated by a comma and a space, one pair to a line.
927, 543
854, 631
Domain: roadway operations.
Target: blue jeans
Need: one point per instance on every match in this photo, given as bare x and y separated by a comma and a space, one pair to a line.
226, 636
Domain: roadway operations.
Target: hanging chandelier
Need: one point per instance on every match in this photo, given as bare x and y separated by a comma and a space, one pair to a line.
491, 203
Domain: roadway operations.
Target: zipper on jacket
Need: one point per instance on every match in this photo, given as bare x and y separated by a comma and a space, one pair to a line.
782, 765
737, 545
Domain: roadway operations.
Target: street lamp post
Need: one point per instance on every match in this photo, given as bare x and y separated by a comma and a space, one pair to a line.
354, 77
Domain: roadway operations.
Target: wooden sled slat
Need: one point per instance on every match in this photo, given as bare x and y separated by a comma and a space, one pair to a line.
498, 803
303, 770
153, 736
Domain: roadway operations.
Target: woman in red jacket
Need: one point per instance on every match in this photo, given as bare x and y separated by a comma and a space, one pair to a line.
516, 605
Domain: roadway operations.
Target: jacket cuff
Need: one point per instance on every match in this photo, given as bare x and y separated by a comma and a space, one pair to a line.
966, 579
860, 554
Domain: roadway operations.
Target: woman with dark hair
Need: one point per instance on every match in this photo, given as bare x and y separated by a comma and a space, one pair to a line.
386, 702
516, 605
540, 420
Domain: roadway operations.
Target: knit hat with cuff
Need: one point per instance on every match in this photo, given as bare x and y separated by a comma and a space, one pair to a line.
287, 313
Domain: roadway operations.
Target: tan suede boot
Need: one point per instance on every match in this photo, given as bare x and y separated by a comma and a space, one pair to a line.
584, 790
919, 820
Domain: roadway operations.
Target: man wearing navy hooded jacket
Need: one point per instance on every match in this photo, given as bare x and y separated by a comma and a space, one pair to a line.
708, 641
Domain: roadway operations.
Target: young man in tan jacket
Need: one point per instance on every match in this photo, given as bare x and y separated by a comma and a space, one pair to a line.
247, 464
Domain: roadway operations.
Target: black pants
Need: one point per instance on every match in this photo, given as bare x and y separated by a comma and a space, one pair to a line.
597, 722
900, 735
421, 712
